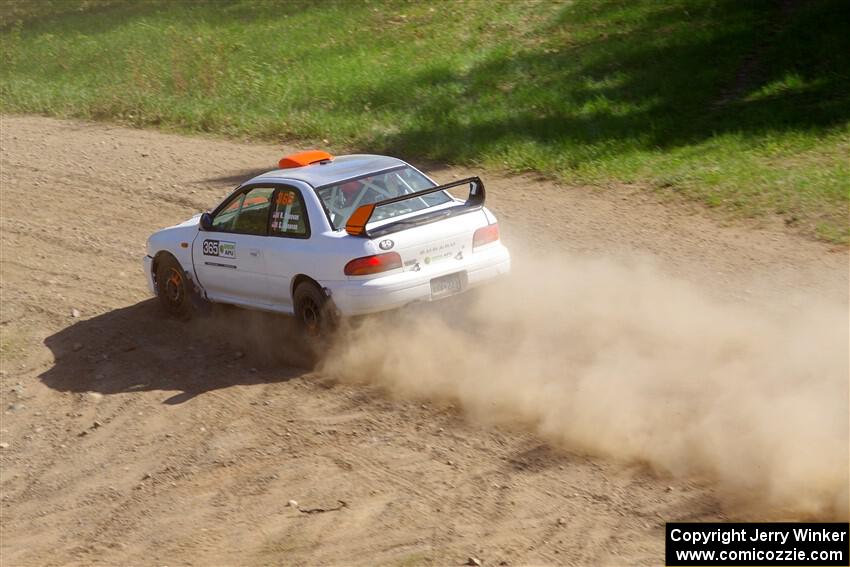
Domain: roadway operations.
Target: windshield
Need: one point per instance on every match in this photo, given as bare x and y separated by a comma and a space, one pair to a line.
343, 199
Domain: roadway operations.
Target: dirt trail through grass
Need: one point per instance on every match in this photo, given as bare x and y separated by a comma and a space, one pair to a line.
591, 92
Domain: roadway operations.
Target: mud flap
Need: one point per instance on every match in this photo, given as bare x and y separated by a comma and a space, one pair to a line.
201, 306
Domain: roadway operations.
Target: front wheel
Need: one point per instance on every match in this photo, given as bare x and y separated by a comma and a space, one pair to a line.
172, 289
313, 310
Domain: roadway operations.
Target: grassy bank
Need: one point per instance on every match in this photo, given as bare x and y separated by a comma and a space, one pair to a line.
743, 106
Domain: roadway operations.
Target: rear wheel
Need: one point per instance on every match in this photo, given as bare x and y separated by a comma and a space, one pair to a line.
313, 310
172, 289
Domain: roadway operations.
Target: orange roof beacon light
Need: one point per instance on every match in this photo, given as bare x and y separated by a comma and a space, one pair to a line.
304, 158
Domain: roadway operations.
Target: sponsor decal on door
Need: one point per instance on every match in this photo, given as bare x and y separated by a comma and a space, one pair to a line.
220, 248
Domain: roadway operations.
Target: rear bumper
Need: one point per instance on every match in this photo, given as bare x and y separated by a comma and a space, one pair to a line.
147, 263
361, 297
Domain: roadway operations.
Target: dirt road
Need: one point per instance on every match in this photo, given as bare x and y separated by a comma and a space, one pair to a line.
131, 439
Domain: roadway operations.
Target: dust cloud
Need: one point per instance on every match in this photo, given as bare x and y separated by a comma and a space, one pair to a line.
626, 362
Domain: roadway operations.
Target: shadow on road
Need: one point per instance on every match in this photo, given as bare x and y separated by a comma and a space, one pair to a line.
137, 348
237, 177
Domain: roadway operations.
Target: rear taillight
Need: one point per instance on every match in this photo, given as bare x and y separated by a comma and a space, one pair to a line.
373, 264
485, 235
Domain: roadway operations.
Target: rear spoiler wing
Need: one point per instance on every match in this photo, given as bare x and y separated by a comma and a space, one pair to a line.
356, 225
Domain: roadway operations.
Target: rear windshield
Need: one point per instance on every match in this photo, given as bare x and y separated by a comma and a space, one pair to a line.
343, 199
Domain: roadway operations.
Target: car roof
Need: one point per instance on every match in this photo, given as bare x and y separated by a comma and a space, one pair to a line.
339, 169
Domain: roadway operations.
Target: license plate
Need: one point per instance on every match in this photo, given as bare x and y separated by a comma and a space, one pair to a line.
446, 285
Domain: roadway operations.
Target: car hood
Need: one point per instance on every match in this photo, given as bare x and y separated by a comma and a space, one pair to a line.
166, 238
189, 222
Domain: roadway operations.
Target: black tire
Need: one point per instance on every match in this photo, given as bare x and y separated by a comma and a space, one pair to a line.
313, 310
172, 288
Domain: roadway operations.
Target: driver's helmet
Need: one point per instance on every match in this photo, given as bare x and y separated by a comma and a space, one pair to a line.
349, 190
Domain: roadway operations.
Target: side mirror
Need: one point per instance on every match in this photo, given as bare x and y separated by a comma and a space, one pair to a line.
206, 221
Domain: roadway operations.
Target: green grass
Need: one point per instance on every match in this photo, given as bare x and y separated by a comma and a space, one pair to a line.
741, 105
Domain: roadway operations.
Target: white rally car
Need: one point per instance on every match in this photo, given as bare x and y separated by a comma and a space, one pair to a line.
324, 237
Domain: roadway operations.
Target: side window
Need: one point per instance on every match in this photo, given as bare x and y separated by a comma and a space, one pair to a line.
289, 217
247, 213
223, 221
